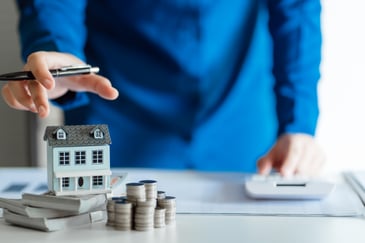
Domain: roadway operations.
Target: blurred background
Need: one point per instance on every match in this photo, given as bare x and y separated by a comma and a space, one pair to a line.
341, 128
21, 142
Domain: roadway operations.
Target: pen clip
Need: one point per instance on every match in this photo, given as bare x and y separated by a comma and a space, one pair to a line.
75, 67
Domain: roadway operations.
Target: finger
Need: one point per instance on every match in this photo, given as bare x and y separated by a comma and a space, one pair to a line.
10, 99
290, 162
305, 162
316, 165
94, 83
311, 161
105, 89
39, 65
39, 97
264, 165
21, 96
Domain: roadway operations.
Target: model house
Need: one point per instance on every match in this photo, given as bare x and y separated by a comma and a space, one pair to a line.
78, 159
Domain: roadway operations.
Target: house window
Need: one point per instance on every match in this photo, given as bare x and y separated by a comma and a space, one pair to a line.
61, 134
80, 157
64, 158
98, 134
66, 182
97, 180
97, 156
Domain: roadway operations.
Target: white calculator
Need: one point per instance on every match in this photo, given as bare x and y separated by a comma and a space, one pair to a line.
275, 186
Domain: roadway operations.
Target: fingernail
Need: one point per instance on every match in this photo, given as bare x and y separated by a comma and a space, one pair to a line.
41, 110
48, 83
33, 108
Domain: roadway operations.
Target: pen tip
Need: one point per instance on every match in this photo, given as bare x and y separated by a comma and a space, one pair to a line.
94, 69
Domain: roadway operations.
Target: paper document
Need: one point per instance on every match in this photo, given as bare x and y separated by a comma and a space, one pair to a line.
18, 180
225, 194
357, 180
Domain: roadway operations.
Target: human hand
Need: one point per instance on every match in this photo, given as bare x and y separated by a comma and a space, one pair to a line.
33, 95
293, 154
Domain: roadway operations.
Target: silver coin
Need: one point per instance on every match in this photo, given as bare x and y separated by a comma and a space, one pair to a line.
161, 195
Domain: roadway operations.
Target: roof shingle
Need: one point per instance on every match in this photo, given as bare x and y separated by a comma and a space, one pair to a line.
77, 135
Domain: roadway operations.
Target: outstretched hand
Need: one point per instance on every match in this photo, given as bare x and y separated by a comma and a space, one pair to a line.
293, 154
33, 95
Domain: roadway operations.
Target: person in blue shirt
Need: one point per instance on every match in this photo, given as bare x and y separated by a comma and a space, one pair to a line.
204, 85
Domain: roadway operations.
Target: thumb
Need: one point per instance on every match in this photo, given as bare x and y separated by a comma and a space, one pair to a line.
265, 164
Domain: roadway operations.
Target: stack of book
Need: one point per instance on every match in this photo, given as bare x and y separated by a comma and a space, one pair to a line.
47, 212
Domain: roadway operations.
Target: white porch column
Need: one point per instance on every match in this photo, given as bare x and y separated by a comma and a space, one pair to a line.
76, 183
91, 183
60, 183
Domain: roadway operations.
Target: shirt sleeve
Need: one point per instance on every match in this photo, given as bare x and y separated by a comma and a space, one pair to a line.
296, 32
46, 25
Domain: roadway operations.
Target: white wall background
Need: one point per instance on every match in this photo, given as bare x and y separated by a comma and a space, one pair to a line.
341, 130
13, 124
21, 142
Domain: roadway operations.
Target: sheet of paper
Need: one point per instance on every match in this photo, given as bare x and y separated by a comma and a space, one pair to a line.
18, 180
225, 194
359, 176
206, 193
357, 180
15, 181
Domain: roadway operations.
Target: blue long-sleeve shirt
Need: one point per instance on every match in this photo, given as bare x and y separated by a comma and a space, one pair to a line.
206, 84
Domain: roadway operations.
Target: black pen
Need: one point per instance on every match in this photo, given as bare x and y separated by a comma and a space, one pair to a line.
60, 72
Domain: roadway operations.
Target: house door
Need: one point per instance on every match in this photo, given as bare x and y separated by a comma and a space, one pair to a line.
82, 183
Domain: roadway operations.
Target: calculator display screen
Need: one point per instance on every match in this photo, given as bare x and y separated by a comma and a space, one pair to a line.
290, 184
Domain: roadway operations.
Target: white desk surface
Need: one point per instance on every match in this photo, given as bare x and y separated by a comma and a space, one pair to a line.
208, 228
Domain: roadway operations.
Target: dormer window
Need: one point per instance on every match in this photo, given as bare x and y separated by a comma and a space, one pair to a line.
61, 134
98, 134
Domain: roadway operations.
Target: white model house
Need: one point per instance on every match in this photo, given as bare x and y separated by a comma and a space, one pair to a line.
78, 159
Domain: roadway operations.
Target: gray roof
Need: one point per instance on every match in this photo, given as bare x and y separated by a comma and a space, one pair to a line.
77, 135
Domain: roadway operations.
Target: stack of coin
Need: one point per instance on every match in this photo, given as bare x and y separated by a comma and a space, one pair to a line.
144, 215
136, 192
123, 215
151, 188
110, 211
168, 203
143, 209
159, 218
161, 195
